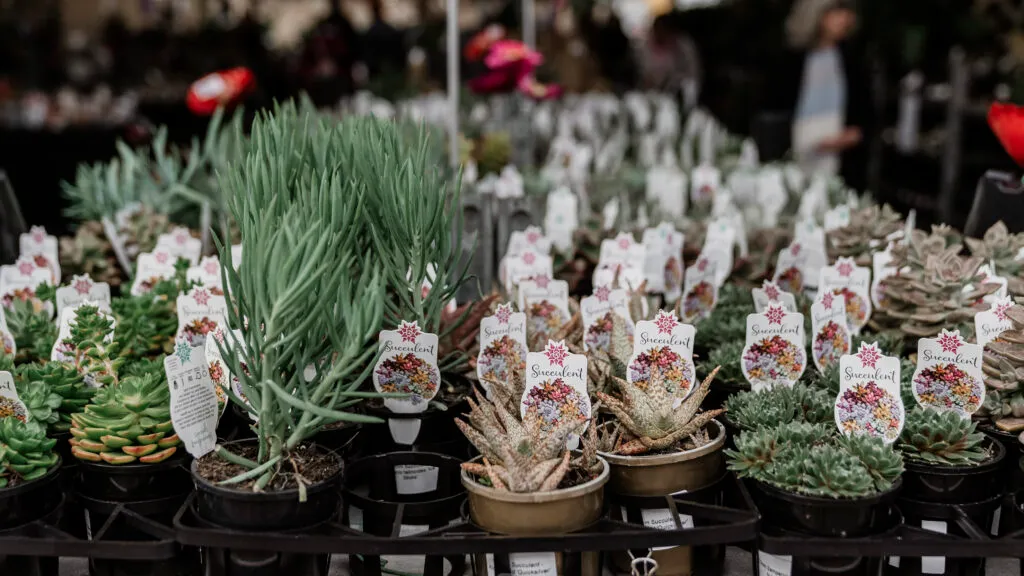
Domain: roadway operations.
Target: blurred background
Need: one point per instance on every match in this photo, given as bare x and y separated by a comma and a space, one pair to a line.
78, 75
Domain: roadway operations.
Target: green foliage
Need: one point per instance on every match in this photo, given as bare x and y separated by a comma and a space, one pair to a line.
41, 401
25, 452
942, 438
728, 322
780, 405
33, 330
96, 358
64, 381
728, 356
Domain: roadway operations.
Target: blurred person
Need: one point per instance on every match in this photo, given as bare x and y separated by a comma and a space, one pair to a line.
383, 45
605, 39
669, 60
329, 57
823, 85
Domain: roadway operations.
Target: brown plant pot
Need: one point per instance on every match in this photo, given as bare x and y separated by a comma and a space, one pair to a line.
540, 513
662, 475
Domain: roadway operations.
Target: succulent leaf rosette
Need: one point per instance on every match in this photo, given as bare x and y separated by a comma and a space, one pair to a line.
677, 373
830, 344
699, 301
501, 358
544, 318
791, 280
554, 403
856, 308
409, 374
599, 334
774, 360
947, 386
867, 408
10, 408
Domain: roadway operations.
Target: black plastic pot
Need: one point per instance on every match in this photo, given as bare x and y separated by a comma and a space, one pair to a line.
438, 432
955, 484
265, 511
827, 517
381, 489
234, 424
720, 392
345, 440
134, 482
1012, 475
30, 501
31, 565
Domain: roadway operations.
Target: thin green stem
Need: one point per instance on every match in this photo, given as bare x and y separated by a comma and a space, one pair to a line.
257, 471
234, 458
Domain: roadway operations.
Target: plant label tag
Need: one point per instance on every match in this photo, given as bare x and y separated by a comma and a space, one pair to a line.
63, 350
666, 186
706, 182
83, 289
503, 346
407, 365
881, 268
7, 345
933, 564
180, 244
789, 266
836, 218
622, 253
774, 354
561, 218
11, 405
19, 281
546, 304
631, 278
207, 274
200, 312
601, 312
718, 243
700, 291
527, 564
869, 394
949, 374
414, 479
194, 412
665, 346
151, 268
520, 267
988, 276
770, 293
832, 339
556, 391
771, 195
743, 183
428, 284
988, 325
853, 283
663, 261
661, 519
220, 372
38, 243
117, 243
530, 240
772, 565
236, 256
610, 214
812, 238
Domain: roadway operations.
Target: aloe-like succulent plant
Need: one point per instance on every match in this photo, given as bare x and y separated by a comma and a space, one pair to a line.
647, 420
64, 381
126, 421
25, 452
1001, 248
90, 252
869, 229
780, 405
942, 438
97, 357
33, 330
813, 459
1003, 366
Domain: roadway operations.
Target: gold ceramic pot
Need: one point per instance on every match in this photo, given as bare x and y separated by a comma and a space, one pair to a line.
664, 474
539, 513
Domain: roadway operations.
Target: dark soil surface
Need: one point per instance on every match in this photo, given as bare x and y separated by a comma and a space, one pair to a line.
313, 466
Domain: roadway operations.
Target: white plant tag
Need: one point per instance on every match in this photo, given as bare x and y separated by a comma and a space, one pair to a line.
83, 289
663, 261
988, 276
718, 244
207, 273
770, 293
700, 291
853, 283
236, 256
772, 565
194, 411
774, 354
831, 338
933, 564
7, 345
20, 280
151, 268
812, 238
503, 346
706, 180
200, 312
881, 268
869, 394
667, 344
413, 479
180, 244
533, 564
556, 390
988, 325
661, 519
38, 243
621, 253
836, 218
599, 311
530, 240
561, 218
407, 365
520, 267
789, 269
220, 373
667, 186
11, 405
546, 304
63, 350
948, 374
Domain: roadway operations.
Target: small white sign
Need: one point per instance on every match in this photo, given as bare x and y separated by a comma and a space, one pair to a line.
194, 411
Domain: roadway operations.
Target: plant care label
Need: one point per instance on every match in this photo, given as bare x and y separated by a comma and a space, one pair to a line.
561, 218
503, 346
10, 405
663, 351
600, 312
220, 371
200, 312
659, 519
63, 349
180, 243
666, 186
771, 195
831, 338
869, 394
852, 282
706, 180
523, 266
407, 365
207, 274
881, 268
663, 261
194, 412
700, 291
530, 240
415, 479
20, 280
774, 354
556, 391
546, 304
773, 565
770, 293
523, 564
836, 218
948, 374
150, 269
38, 243
988, 325
83, 289
718, 244
7, 344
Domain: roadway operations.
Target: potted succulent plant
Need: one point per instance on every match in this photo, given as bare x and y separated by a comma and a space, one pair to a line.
748, 411
870, 228
29, 470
